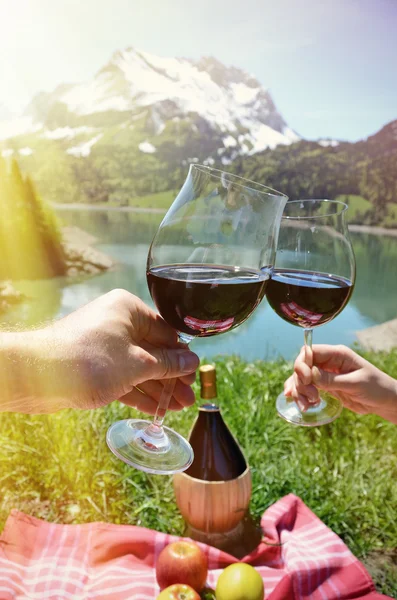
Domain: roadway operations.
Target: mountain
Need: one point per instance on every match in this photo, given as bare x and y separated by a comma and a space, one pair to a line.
363, 173
133, 128
227, 99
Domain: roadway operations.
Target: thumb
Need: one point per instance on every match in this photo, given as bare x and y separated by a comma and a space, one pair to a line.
332, 381
167, 363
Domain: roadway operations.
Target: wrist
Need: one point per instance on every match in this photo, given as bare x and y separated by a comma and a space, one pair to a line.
26, 372
393, 401
15, 365
388, 400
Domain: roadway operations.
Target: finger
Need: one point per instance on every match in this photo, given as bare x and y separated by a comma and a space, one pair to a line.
161, 363
308, 354
188, 379
301, 356
149, 325
309, 392
182, 394
288, 386
300, 400
164, 363
160, 333
345, 382
144, 403
337, 359
303, 371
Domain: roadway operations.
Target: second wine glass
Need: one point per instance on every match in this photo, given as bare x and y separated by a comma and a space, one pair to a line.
207, 270
311, 284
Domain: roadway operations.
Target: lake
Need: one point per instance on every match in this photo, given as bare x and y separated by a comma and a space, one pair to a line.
126, 237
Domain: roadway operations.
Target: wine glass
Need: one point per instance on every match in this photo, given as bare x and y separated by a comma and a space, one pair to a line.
311, 284
207, 270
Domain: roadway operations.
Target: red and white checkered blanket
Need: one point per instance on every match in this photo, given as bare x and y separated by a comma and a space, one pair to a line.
300, 558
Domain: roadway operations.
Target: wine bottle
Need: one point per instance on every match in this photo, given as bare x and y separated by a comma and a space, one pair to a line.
213, 495
217, 456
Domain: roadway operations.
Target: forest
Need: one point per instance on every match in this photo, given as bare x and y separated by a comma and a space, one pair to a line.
115, 171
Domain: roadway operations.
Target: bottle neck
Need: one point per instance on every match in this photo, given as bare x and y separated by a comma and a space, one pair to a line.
210, 418
217, 454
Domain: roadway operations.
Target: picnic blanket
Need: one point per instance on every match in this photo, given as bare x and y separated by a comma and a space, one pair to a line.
298, 558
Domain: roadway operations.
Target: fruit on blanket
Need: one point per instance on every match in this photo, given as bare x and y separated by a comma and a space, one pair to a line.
178, 591
182, 562
207, 594
239, 582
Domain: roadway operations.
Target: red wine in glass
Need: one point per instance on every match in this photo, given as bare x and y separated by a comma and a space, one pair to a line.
205, 300
312, 282
207, 270
307, 299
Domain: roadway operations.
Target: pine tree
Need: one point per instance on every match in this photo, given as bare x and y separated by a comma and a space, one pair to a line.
47, 225
30, 239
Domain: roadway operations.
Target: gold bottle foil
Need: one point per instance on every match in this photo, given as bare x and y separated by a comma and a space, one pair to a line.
208, 382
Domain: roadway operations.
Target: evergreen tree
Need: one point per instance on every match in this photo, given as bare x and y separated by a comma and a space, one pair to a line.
30, 239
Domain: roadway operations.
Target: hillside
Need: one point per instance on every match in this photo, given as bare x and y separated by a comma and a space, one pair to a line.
133, 128
364, 172
131, 131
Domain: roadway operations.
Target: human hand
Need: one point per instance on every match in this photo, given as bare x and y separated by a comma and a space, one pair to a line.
115, 347
359, 385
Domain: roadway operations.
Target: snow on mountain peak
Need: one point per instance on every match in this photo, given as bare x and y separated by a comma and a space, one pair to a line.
328, 142
226, 97
224, 104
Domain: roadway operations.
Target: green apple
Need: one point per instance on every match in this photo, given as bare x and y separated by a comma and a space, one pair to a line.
179, 591
240, 582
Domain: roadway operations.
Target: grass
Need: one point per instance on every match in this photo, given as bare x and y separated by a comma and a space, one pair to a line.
159, 200
58, 467
358, 206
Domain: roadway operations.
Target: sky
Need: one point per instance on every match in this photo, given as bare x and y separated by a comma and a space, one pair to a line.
330, 65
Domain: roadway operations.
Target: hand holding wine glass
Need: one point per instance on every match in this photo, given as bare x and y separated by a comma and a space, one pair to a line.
359, 385
311, 284
207, 270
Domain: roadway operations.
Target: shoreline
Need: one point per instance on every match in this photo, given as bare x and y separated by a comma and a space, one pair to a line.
374, 229
354, 228
101, 207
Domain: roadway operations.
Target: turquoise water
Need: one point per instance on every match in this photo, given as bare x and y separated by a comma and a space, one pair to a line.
126, 237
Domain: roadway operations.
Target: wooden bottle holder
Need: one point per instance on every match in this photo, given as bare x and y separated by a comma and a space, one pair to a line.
213, 506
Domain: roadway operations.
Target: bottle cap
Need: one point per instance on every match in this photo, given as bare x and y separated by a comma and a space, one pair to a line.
208, 381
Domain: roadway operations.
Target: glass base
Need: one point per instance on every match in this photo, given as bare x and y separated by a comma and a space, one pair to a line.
156, 450
326, 411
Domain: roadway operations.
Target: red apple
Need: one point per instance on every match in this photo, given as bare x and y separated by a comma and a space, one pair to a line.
179, 591
182, 562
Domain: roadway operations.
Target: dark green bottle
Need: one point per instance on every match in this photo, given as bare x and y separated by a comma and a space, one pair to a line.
217, 456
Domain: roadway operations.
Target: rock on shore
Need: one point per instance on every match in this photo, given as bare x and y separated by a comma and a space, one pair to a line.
9, 295
81, 257
380, 337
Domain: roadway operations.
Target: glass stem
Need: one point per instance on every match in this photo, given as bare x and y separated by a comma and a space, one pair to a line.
154, 438
164, 402
308, 333
154, 435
